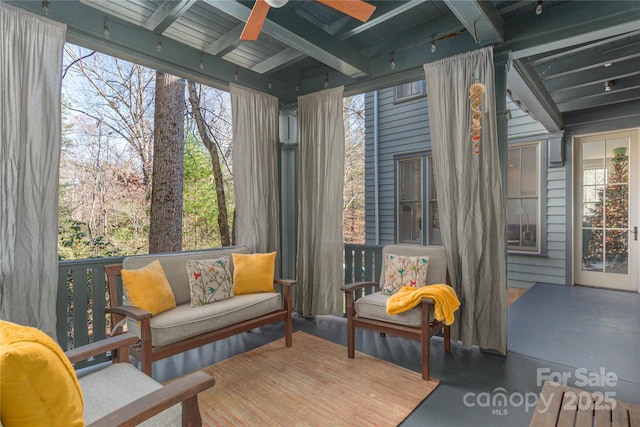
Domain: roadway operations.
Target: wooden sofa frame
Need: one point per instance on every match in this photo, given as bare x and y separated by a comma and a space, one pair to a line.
184, 390
423, 333
146, 353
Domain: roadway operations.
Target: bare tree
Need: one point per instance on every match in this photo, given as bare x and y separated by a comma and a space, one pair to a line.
120, 95
165, 233
210, 142
354, 198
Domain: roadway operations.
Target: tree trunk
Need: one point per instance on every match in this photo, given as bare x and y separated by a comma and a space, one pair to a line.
165, 233
223, 216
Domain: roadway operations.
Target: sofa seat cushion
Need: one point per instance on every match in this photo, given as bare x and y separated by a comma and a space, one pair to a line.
185, 321
374, 306
104, 394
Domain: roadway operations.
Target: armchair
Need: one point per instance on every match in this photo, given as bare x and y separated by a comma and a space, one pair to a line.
39, 386
369, 311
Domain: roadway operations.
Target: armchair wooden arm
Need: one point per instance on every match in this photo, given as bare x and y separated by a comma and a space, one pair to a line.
357, 285
285, 282
132, 311
119, 343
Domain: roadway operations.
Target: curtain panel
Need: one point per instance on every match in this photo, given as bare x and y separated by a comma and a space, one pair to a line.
321, 185
30, 129
255, 168
470, 197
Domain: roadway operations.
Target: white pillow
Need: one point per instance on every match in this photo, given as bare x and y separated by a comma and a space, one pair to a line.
400, 270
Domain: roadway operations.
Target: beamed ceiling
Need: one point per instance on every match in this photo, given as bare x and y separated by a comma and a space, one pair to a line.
559, 59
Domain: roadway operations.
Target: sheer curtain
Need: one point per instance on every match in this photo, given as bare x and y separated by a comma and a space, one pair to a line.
30, 126
321, 183
469, 193
255, 168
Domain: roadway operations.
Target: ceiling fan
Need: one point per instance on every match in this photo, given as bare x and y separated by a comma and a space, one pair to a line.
357, 9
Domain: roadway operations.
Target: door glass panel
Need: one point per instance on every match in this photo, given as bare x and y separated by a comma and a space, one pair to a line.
605, 201
616, 252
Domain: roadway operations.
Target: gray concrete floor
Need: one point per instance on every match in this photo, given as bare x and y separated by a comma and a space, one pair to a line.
589, 337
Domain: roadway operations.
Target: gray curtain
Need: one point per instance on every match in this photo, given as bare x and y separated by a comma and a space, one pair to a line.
30, 135
321, 184
255, 168
469, 193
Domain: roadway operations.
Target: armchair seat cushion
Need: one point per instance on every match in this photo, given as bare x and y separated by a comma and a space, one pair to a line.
185, 321
104, 393
374, 306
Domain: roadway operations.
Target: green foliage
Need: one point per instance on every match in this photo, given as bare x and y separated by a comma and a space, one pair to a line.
200, 211
74, 242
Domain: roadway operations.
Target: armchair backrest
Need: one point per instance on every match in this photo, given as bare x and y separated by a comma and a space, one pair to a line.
437, 271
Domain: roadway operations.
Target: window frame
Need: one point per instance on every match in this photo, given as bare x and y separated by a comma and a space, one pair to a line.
541, 227
401, 97
426, 176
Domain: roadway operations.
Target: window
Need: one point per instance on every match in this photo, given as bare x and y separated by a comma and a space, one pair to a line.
414, 186
407, 91
523, 198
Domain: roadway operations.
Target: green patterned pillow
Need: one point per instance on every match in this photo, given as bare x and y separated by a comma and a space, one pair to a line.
209, 280
400, 270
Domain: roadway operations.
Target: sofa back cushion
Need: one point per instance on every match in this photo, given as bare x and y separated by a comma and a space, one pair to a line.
437, 271
174, 265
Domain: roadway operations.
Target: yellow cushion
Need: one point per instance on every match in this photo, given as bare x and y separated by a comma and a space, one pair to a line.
148, 288
253, 273
38, 386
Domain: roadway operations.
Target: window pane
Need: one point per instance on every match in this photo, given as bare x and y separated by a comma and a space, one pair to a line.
523, 204
513, 177
616, 252
592, 249
529, 175
435, 238
410, 201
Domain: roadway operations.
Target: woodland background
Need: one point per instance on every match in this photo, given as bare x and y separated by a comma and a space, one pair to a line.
115, 114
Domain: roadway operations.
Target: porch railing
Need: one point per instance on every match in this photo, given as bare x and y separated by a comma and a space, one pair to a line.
362, 263
83, 295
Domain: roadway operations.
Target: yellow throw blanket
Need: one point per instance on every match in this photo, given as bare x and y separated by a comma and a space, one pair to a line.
445, 298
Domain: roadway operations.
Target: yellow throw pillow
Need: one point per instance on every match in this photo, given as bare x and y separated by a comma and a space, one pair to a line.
148, 288
253, 273
38, 386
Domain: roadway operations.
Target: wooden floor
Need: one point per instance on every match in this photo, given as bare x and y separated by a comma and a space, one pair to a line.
553, 330
514, 293
561, 405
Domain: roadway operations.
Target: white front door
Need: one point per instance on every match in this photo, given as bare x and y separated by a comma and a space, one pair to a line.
606, 210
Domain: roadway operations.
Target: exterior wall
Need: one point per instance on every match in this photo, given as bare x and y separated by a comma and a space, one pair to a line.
404, 127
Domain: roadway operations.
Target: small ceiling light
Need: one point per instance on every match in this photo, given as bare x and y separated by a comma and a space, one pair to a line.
608, 64
539, 7
235, 75
276, 3
326, 80
433, 47
105, 29
201, 63
392, 63
608, 85
45, 7
159, 44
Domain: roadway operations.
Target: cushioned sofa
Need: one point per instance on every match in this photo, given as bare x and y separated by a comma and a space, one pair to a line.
185, 327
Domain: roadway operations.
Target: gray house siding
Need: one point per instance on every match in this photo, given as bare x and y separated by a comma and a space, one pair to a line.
403, 128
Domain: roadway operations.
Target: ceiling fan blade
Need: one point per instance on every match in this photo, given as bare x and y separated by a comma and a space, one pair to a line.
256, 20
357, 9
